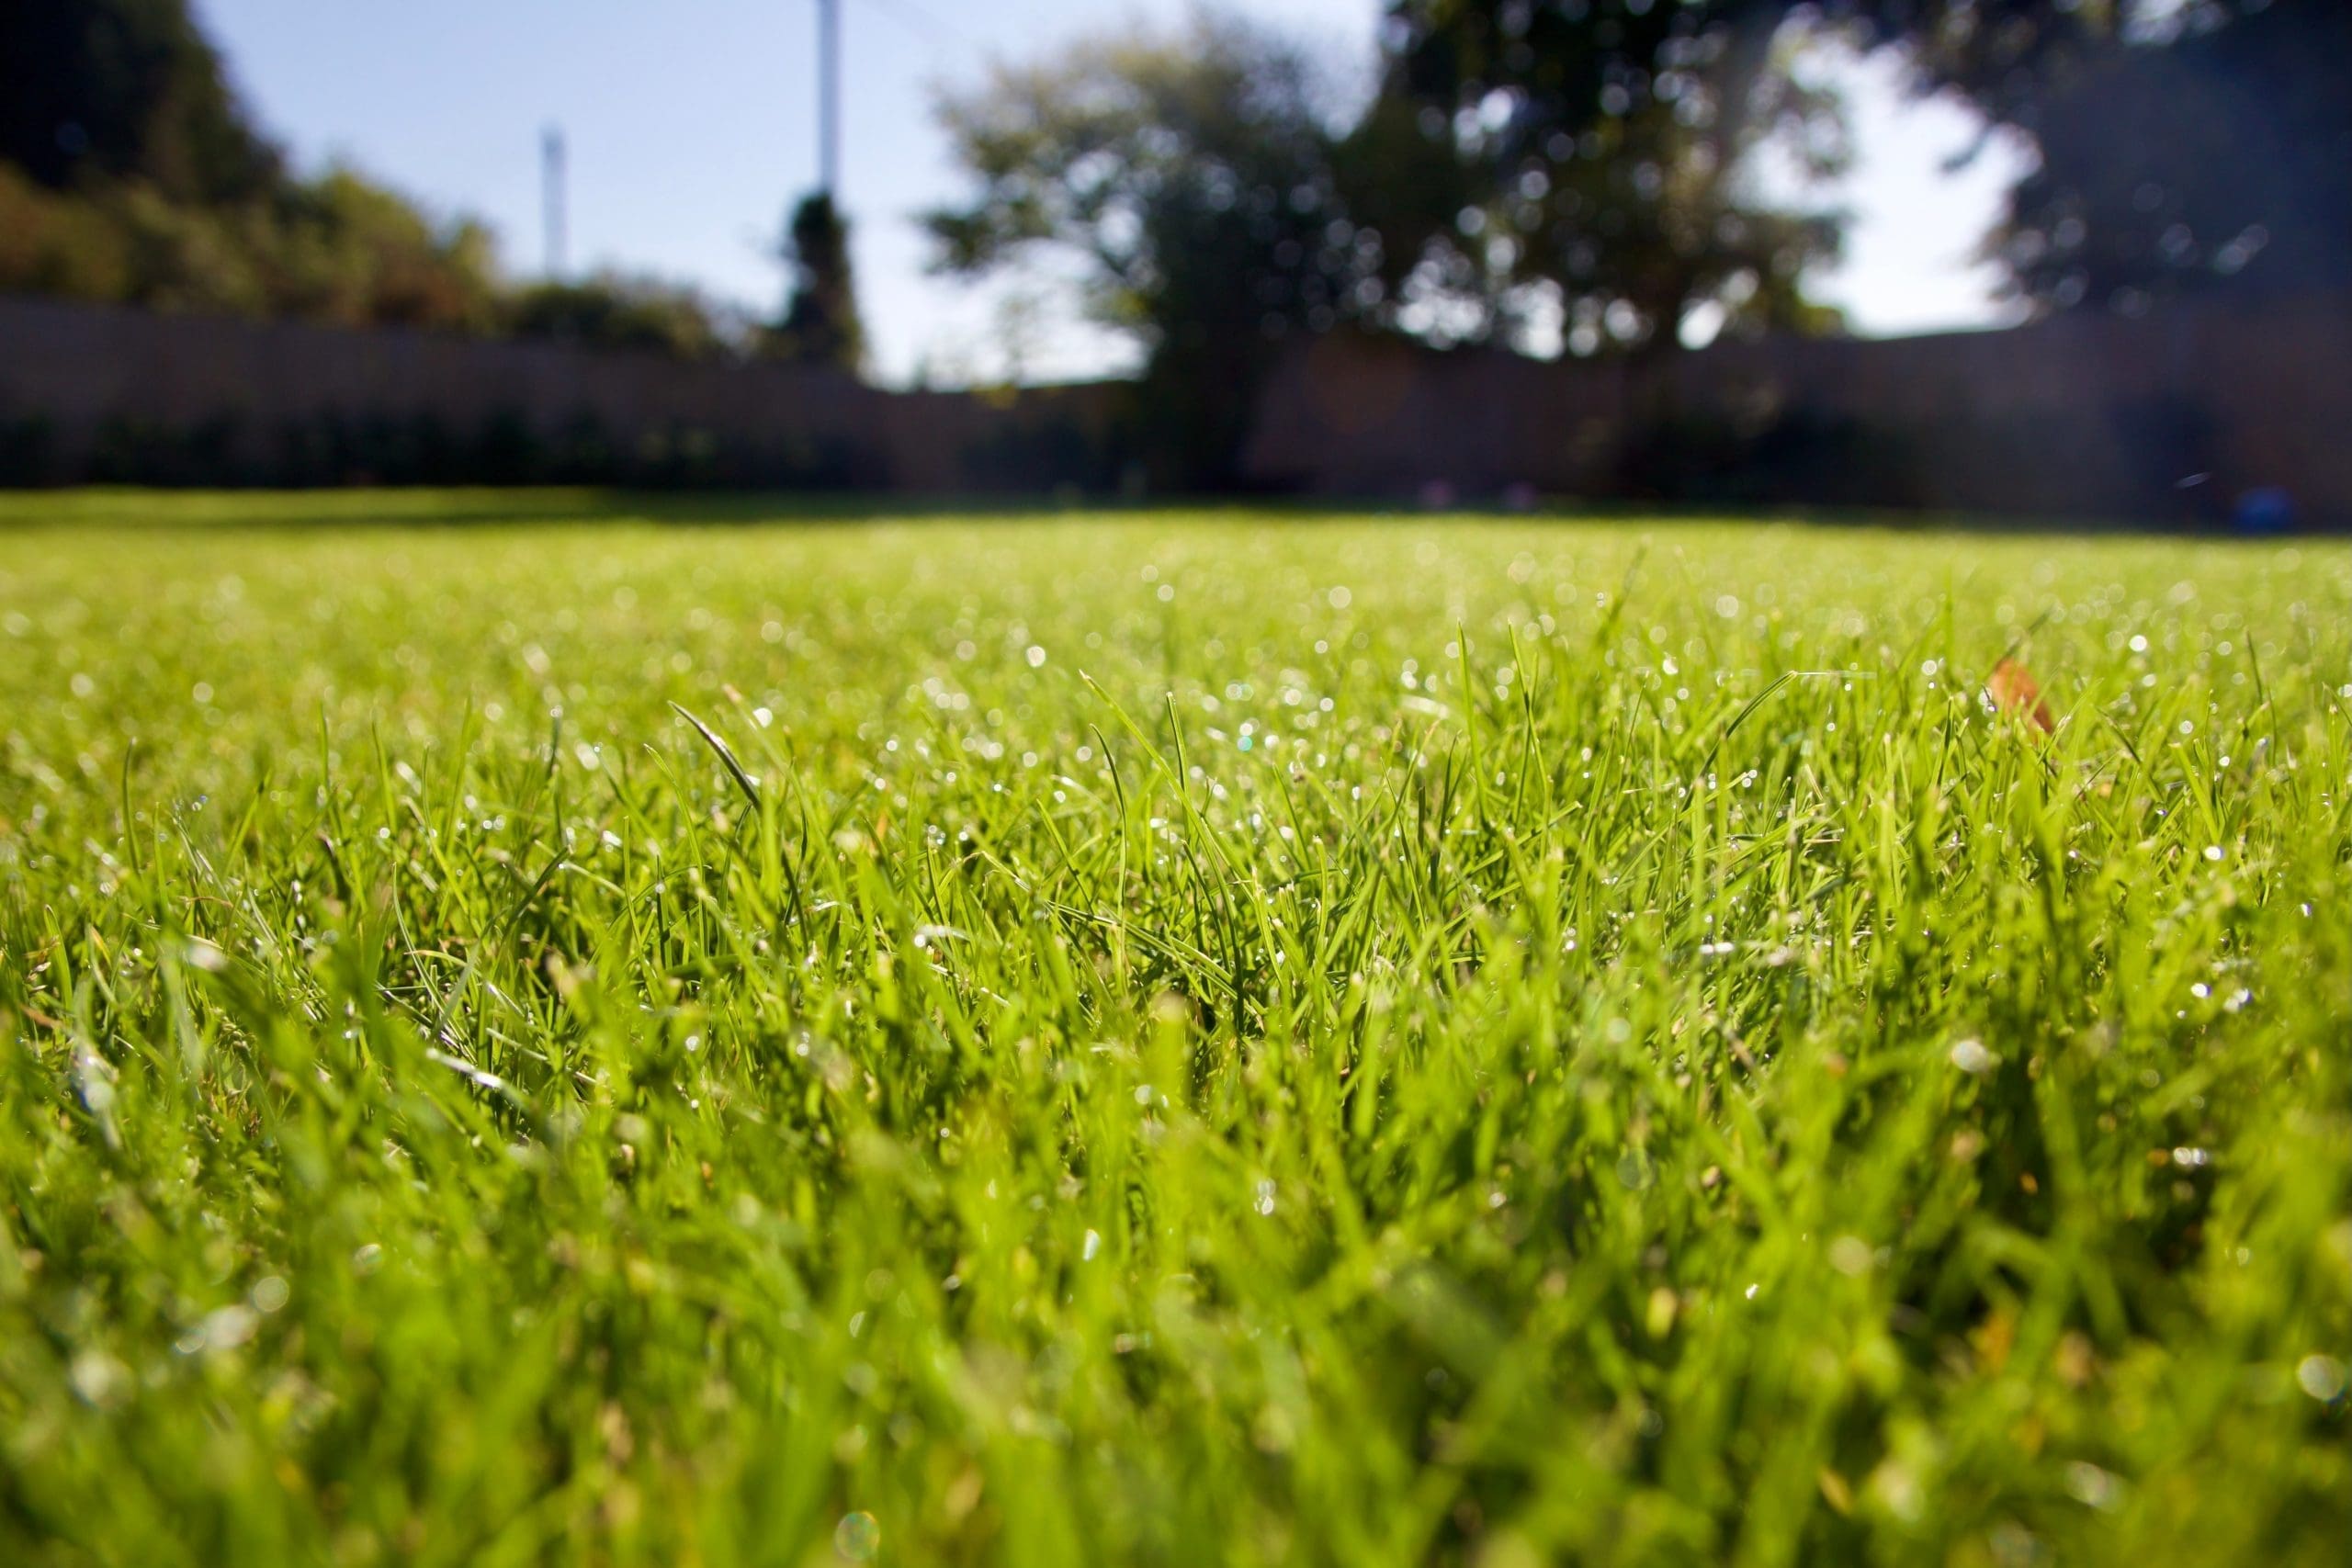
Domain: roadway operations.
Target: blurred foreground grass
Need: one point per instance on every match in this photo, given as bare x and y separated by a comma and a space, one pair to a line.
1166, 1040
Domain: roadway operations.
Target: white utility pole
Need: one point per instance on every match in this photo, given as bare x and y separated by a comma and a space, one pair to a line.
552, 196
829, 98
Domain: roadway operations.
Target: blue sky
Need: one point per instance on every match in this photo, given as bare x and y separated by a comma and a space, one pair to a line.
691, 126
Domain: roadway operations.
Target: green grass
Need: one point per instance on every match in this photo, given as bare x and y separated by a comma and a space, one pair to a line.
1167, 1040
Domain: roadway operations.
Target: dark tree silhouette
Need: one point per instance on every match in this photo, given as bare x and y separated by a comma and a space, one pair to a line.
1606, 149
129, 172
2184, 145
118, 88
2214, 154
820, 323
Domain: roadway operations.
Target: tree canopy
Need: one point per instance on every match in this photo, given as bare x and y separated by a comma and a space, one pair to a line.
1197, 176
1509, 162
2182, 149
1606, 154
131, 173
615, 311
820, 324
123, 89
1602, 163
1194, 173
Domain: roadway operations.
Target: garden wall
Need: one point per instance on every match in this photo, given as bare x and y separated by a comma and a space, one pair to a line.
90, 392
2173, 415
2170, 417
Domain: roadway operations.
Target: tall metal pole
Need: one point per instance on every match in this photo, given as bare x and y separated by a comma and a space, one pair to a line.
828, 96
552, 196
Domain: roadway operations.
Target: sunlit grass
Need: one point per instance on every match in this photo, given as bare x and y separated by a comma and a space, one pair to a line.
1168, 1040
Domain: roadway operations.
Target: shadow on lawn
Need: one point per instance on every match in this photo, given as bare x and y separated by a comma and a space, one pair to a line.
302, 510
65, 511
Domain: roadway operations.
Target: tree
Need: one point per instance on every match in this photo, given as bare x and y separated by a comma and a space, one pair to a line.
1193, 179
58, 244
1606, 153
643, 315
115, 89
344, 249
337, 248
131, 173
2183, 147
820, 323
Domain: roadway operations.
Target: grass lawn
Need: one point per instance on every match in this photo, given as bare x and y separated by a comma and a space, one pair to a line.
1167, 1040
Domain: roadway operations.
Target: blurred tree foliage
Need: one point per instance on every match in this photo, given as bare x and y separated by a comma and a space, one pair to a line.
2184, 145
131, 174
1221, 194
337, 248
1597, 164
125, 90
1603, 160
820, 323
1197, 178
1514, 158
612, 311
2178, 141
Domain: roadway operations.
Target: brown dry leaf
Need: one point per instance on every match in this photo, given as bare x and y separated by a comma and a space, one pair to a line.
1993, 1339
2015, 692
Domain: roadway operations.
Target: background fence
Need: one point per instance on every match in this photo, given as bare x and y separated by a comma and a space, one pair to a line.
2171, 416
2084, 415
101, 393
